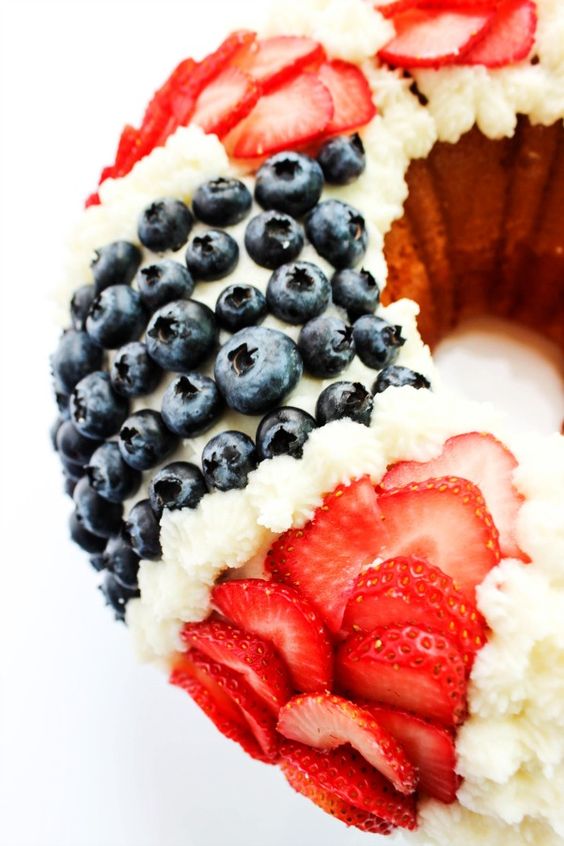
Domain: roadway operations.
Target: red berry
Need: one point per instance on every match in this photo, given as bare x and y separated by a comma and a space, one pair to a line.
225, 101
272, 61
510, 38
352, 99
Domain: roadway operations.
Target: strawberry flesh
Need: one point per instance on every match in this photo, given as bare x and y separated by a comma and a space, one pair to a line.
511, 37
352, 99
225, 101
272, 61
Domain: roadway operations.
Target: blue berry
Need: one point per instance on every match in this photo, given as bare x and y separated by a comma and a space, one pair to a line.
96, 410
239, 306
97, 561
69, 485
80, 304
134, 372
76, 356
377, 342
178, 485
87, 541
284, 431
356, 291
338, 233
181, 334
396, 377
297, 292
120, 559
115, 264
342, 159
116, 316
165, 225
164, 281
98, 515
273, 238
72, 469
326, 345
144, 440
256, 368
116, 595
222, 202
289, 182
344, 399
142, 530
54, 431
191, 404
62, 398
73, 446
228, 459
212, 255
110, 476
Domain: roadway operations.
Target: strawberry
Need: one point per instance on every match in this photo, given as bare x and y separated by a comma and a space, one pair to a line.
244, 653
280, 615
92, 200
445, 522
510, 38
483, 460
407, 667
324, 558
326, 721
389, 8
429, 747
326, 776
272, 61
225, 101
351, 95
229, 702
212, 65
409, 590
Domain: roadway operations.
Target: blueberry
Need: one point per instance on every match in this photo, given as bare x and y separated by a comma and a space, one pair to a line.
289, 182
396, 376
338, 233
342, 159
284, 432
144, 440
239, 306
110, 476
54, 431
98, 515
212, 255
62, 398
72, 470
273, 238
256, 368
80, 303
228, 459
115, 264
164, 281
116, 595
97, 561
377, 341
297, 292
222, 202
326, 345
142, 530
69, 485
178, 485
116, 316
96, 410
344, 399
181, 334
356, 291
134, 372
81, 536
75, 357
191, 404
121, 560
165, 225
74, 446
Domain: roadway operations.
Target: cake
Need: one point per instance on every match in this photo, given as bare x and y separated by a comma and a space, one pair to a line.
354, 572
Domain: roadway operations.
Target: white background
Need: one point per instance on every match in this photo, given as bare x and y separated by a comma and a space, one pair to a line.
94, 749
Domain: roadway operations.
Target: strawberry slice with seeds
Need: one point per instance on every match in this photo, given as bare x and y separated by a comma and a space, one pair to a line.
225, 101
254, 658
272, 61
352, 98
280, 615
511, 37
407, 667
213, 64
324, 559
325, 721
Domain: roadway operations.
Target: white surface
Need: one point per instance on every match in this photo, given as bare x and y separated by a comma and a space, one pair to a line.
95, 750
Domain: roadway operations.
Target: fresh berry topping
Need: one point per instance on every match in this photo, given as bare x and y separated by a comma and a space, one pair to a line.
273, 238
510, 37
344, 399
88, 541
165, 225
212, 255
117, 315
142, 530
110, 476
356, 291
133, 371
289, 182
222, 202
212, 65
342, 159
115, 264
72, 470
226, 101
239, 306
144, 440
396, 376
74, 446
117, 596
326, 345
181, 334
377, 342
54, 431
338, 233
389, 8
228, 459
284, 431
96, 560
280, 615
351, 95
191, 404
69, 485
79, 305
120, 559
75, 357
271, 61
96, 410
178, 485
97, 515
297, 292
164, 281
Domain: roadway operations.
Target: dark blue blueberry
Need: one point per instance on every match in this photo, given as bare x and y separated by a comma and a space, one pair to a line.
86, 540
117, 315
71, 469
344, 399
74, 446
356, 291
62, 400
181, 334
222, 202
178, 485
326, 345
80, 303
297, 292
342, 159
134, 372
142, 530
121, 560
98, 515
164, 281
191, 404
338, 233
377, 342
97, 561
54, 431
396, 377
289, 182
116, 595
110, 476
69, 485
165, 225
239, 306
228, 459
273, 238
76, 356
212, 255
256, 368
96, 410
144, 440
284, 432
115, 264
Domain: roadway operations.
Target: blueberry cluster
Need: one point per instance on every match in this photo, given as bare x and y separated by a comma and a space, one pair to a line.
138, 320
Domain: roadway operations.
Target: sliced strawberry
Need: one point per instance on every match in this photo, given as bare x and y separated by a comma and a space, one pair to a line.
271, 61
389, 8
254, 658
408, 668
444, 521
352, 98
323, 559
92, 200
511, 37
344, 775
280, 615
225, 101
227, 52
326, 721
429, 747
